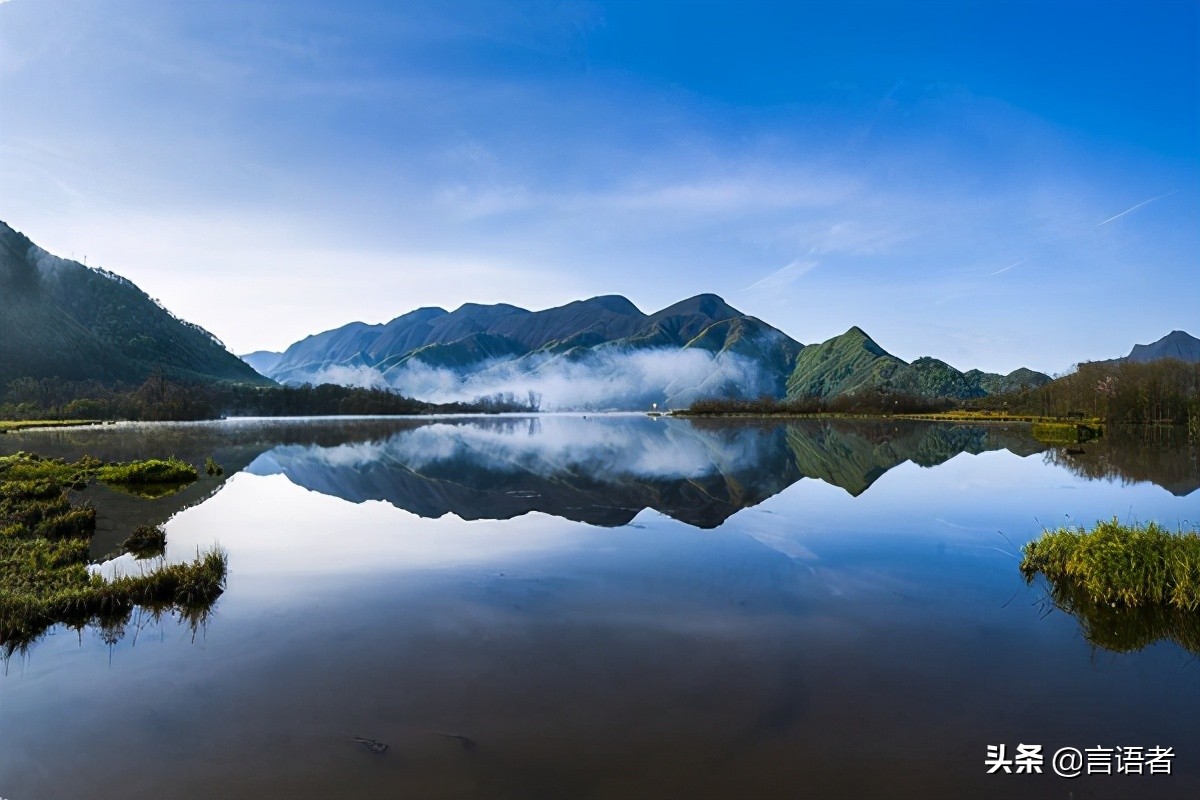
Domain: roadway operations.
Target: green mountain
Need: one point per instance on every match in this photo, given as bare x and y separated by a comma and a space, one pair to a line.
844, 364
1015, 381
853, 363
60, 319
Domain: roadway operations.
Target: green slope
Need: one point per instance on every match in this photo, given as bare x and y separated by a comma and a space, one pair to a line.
847, 363
60, 319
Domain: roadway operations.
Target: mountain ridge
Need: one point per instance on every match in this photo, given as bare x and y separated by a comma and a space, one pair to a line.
604, 329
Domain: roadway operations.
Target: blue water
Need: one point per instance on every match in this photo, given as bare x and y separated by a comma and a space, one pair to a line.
609, 606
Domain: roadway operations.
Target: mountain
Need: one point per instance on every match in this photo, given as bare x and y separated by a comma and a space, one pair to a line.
604, 345
60, 319
1176, 344
263, 361
1015, 381
854, 363
841, 365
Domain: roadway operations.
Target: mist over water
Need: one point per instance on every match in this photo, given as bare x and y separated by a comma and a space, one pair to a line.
600, 379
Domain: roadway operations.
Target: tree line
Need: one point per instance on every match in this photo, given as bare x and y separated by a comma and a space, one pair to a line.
160, 398
1161, 392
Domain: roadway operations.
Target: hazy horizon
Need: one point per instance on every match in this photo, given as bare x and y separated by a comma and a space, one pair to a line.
997, 186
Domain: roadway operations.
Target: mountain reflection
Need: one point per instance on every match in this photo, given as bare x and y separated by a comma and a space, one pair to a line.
604, 471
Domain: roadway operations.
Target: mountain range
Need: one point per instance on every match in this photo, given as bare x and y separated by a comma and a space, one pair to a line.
695, 348
698, 346
60, 319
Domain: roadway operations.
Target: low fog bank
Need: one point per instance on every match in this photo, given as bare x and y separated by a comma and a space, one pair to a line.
600, 380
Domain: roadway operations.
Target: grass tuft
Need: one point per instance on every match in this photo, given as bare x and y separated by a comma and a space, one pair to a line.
146, 541
1121, 565
153, 471
1129, 585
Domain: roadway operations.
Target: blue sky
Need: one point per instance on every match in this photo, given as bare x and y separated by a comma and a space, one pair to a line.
995, 184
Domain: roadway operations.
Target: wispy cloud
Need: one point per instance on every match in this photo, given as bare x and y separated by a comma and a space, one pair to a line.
1135, 208
784, 275
1002, 270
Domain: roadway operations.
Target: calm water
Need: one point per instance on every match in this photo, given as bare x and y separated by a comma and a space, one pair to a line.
605, 607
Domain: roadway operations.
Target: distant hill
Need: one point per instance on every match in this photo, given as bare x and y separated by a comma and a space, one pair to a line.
854, 363
60, 319
1176, 344
605, 345
263, 361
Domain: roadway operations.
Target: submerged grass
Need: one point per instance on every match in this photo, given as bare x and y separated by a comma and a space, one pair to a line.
44, 547
1129, 585
152, 471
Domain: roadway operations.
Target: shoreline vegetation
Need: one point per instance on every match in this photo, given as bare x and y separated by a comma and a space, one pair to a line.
45, 579
1096, 395
1050, 430
1128, 585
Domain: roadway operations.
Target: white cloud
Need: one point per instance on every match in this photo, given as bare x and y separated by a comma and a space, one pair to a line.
784, 275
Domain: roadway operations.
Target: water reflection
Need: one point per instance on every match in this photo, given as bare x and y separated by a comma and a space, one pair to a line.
605, 473
1162, 455
1121, 629
602, 470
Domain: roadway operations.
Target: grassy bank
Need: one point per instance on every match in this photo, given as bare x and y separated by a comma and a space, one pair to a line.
981, 415
26, 424
44, 545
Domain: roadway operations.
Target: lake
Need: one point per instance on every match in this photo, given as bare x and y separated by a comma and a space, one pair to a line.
605, 606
